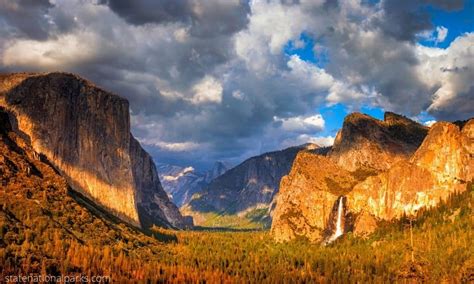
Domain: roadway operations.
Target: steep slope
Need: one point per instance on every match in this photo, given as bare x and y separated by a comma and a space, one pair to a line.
246, 190
309, 195
48, 229
182, 182
84, 132
438, 169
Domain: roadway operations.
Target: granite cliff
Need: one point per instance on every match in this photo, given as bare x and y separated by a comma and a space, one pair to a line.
439, 168
381, 169
84, 132
369, 145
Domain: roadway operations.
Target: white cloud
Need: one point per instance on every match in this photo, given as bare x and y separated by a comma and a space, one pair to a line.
429, 123
271, 26
208, 90
437, 35
179, 175
449, 73
301, 123
66, 50
442, 33
171, 146
304, 71
322, 141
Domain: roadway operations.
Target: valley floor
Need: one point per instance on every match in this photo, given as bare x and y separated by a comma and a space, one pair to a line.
443, 250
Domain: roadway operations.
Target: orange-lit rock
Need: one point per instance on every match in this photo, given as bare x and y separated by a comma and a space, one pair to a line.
369, 145
436, 170
307, 196
385, 169
84, 132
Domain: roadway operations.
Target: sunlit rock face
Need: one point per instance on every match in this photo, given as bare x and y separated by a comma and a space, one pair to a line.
369, 145
307, 197
440, 167
385, 169
84, 132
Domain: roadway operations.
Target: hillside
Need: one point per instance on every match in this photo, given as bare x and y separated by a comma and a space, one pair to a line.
243, 195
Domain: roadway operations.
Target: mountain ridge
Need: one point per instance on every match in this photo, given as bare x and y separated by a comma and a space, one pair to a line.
246, 191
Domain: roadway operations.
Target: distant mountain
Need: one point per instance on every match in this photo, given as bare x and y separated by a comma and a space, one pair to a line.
182, 182
243, 195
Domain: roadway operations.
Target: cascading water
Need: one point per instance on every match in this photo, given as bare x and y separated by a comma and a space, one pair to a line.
340, 211
339, 230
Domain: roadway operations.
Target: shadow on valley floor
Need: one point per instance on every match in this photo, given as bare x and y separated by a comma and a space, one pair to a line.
112, 221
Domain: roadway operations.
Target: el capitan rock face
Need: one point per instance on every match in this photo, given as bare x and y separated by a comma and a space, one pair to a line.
390, 174
85, 133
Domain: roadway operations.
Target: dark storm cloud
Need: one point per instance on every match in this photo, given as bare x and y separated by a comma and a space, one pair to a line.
459, 108
206, 18
25, 18
403, 19
150, 11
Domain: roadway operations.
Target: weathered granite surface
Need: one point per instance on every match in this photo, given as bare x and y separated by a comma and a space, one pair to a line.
84, 132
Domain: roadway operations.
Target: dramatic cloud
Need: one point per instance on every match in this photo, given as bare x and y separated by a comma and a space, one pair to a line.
213, 80
25, 18
207, 90
301, 124
450, 73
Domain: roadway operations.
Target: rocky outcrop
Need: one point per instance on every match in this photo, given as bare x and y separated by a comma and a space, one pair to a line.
307, 196
84, 132
439, 168
368, 145
252, 185
390, 168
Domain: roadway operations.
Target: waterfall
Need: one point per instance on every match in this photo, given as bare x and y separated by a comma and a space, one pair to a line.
339, 222
339, 228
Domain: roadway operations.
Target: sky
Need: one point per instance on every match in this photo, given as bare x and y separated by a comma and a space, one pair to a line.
229, 79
